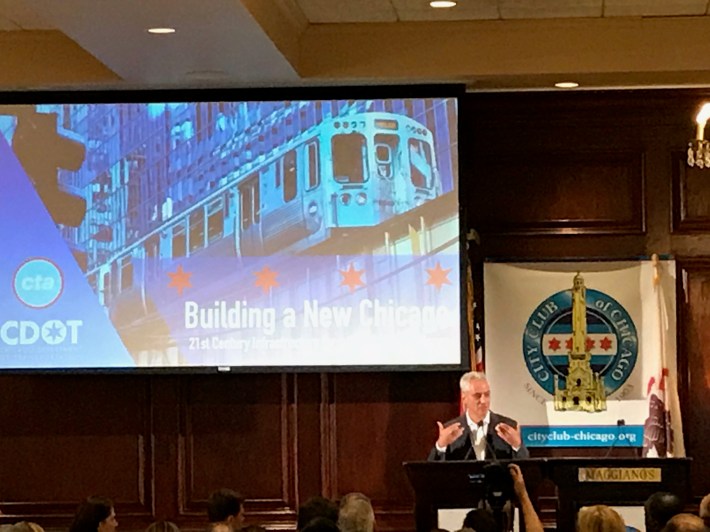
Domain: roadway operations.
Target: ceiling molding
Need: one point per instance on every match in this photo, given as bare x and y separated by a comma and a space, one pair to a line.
36, 59
467, 51
284, 23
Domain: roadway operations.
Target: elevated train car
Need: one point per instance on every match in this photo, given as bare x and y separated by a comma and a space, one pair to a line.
342, 175
345, 173
354, 171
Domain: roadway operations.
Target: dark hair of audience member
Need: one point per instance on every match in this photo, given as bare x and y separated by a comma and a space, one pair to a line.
316, 507
162, 526
480, 520
320, 524
222, 504
90, 514
659, 508
685, 523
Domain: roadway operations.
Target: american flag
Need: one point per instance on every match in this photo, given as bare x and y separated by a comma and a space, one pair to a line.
474, 307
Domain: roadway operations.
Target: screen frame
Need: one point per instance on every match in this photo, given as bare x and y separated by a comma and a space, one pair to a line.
267, 94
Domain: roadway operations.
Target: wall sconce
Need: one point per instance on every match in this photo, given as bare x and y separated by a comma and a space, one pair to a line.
699, 148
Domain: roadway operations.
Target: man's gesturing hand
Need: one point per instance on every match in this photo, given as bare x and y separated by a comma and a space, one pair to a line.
448, 435
510, 435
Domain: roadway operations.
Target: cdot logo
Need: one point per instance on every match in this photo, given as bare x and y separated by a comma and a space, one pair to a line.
38, 283
52, 332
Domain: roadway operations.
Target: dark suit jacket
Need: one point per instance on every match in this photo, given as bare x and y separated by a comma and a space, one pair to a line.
462, 448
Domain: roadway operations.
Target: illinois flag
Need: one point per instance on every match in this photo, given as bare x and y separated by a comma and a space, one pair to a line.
663, 431
583, 354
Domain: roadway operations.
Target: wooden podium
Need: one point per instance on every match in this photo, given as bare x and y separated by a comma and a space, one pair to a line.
580, 482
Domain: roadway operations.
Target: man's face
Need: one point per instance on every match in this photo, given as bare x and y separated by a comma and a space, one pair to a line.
477, 399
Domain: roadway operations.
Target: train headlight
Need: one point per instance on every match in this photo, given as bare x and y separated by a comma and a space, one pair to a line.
313, 208
361, 198
345, 198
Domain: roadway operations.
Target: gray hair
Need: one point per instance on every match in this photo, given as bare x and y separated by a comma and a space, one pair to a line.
356, 514
466, 379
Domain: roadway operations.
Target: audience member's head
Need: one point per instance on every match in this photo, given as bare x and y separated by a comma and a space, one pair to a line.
480, 520
316, 507
25, 526
599, 518
95, 514
685, 523
162, 526
659, 508
356, 513
226, 507
704, 510
320, 524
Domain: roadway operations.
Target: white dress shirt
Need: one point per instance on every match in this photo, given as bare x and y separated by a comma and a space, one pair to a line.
478, 435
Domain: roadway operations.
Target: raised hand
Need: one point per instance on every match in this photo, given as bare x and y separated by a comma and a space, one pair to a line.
518, 481
448, 435
509, 435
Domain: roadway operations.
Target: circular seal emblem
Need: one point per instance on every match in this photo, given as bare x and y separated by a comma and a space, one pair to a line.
38, 283
611, 340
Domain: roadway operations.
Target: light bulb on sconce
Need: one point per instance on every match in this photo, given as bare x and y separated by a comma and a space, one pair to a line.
699, 148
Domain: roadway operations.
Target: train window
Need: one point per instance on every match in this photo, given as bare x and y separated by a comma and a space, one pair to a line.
385, 148
420, 163
257, 199
152, 246
92, 281
249, 201
245, 197
277, 174
215, 220
106, 287
152, 250
126, 272
197, 229
313, 169
290, 174
179, 241
349, 158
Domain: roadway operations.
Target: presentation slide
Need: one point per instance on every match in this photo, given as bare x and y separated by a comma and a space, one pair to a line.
229, 235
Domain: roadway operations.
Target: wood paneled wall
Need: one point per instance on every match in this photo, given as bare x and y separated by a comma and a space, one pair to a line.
544, 176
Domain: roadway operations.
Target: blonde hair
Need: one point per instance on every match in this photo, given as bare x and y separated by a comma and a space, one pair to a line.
26, 526
599, 518
466, 379
356, 513
704, 510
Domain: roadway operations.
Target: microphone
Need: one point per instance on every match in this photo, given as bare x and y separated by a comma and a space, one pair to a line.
619, 423
489, 449
472, 449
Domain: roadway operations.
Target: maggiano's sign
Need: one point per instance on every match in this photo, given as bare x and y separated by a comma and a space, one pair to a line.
619, 474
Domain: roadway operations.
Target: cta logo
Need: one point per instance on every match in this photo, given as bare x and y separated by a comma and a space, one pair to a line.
38, 283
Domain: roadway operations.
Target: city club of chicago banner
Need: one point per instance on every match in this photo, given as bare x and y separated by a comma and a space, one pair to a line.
584, 354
